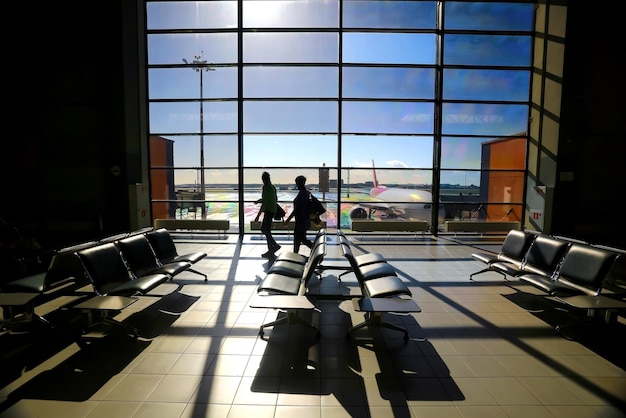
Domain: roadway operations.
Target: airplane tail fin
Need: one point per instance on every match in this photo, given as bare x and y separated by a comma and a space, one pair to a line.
374, 175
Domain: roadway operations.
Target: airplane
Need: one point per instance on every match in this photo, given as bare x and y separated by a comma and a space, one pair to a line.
394, 202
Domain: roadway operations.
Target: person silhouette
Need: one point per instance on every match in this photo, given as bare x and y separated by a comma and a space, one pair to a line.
301, 212
268, 202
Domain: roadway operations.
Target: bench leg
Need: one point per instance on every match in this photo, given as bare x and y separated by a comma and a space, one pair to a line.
104, 317
200, 273
291, 317
486, 270
21, 322
595, 325
344, 273
375, 319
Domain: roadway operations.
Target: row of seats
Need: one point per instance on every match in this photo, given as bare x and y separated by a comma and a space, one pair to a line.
524, 252
555, 264
286, 285
127, 264
288, 278
378, 281
576, 273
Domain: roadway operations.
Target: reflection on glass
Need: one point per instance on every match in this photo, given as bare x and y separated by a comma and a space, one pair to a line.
387, 194
220, 150
177, 83
268, 82
290, 47
399, 151
453, 182
484, 119
291, 89
398, 177
284, 180
290, 13
184, 117
482, 16
389, 83
191, 14
389, 14
300, 150
171, 48
500, 85
389, 48
486, 195
387, 117
290, 116
503, 50
461, 152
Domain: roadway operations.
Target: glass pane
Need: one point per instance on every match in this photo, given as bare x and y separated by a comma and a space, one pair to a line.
485, 153
290, 116
504, 153
397, 151
218, 48
175, 151
504, 50
278, 150
484, 119
389, 48
387, 117
486, 195
392, 174
184, 117
290, 13
184, 151
388, 83
191, 14
290, 47
182, 178
489, 16
182, 198
284, 180
461, 152
290, 82
456, 182
497, 85
389, 14
184, 83
401, 194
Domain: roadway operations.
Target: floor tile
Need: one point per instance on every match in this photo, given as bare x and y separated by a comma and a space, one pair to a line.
477, 349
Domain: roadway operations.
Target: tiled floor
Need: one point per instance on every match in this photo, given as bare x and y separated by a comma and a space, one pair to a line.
483, 349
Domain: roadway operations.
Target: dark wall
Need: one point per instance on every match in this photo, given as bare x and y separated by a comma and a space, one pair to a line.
66, 123
592, 143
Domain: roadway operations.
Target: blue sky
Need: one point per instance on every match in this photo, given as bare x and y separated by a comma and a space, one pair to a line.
291, 84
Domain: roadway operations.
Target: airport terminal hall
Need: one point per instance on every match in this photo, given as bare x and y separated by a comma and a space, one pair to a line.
313, 208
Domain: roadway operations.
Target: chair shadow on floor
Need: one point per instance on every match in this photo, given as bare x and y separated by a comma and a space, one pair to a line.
592, 332
80, 376
295, 361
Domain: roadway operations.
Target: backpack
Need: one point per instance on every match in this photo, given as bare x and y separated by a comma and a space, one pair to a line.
316, 208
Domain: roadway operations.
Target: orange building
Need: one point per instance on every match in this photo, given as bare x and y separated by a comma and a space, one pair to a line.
162, 180
504, 187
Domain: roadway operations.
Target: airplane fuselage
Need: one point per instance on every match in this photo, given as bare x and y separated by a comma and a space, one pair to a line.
401, 195
393, 202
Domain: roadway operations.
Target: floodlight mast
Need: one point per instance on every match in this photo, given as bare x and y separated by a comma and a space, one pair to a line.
201, 66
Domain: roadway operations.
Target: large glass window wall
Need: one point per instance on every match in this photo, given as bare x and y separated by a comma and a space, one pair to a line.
393, 110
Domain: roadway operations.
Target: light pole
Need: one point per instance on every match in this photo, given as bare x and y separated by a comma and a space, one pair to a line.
200, 66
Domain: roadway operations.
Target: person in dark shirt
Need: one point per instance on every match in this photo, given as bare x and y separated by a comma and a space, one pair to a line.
268, 202
301, 212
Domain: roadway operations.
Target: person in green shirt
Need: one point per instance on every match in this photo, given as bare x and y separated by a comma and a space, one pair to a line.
268, 202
